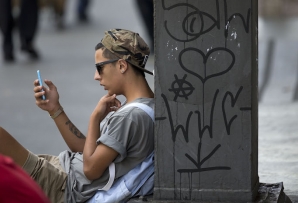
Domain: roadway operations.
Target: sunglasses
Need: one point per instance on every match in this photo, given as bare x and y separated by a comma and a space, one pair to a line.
99, 66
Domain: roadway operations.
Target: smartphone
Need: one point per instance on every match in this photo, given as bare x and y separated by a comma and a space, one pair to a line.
40, 83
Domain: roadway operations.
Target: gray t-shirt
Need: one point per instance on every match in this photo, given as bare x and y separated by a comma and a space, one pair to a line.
130, 132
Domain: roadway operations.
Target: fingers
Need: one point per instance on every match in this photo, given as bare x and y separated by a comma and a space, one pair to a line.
108, 98
38, 94
39, 90
111, 102
50, 84
117, 103
37, 87
39, 102
36, 83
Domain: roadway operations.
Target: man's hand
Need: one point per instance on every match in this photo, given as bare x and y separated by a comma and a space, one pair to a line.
98, 157
51, 104
105, 105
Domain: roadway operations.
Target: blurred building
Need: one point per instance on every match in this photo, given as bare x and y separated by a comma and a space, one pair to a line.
278, 8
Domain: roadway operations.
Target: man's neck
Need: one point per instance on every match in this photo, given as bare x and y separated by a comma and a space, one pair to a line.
138, 89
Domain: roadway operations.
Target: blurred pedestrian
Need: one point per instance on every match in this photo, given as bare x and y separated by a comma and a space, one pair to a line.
59, 7
146, 10
82, 10
26, 22
59, 11
17, 186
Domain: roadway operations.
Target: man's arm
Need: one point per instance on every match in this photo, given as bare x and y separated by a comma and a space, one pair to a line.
72, 136
97, 158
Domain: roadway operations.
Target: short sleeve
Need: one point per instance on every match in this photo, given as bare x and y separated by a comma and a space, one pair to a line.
117, 134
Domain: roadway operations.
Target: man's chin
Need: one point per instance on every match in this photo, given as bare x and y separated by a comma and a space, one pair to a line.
110, 92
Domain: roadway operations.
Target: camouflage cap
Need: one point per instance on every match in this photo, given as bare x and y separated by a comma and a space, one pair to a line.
127, 45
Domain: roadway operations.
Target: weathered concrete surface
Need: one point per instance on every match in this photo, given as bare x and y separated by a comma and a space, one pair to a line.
267, 193
271, 193
206, 100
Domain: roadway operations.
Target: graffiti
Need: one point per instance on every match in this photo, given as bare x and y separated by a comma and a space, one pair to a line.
205, 59
234, 99
174, 131
179, 86
201, 130
201, 72
202, 16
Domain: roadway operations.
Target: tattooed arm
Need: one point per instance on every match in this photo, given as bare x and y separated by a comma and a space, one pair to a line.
72, 136
70, 133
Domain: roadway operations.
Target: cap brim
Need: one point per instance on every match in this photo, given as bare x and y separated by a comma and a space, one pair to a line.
143, 69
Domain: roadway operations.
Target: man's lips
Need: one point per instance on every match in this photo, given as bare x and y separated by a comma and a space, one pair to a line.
103, 86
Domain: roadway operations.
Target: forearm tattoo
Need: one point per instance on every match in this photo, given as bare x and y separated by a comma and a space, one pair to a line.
74, 130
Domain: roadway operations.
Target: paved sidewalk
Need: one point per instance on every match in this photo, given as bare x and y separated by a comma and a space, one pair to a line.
278, 107
278, 143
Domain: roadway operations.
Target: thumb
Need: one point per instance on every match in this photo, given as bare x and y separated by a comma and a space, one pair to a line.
50, 84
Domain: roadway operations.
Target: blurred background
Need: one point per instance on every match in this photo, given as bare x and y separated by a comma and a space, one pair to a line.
63, 49
278, 93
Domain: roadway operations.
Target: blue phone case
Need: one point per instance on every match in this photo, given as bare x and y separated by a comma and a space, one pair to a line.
40, 83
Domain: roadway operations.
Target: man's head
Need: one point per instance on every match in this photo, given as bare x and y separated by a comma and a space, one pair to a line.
118, 51
127, 45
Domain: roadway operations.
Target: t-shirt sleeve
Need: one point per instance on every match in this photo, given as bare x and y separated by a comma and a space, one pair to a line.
117, 135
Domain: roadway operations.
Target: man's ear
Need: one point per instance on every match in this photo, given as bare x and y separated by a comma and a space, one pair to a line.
123, 65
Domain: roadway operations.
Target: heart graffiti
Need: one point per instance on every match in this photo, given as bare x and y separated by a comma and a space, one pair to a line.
205, 60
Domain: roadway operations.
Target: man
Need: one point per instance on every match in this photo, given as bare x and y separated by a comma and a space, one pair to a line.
146, 10
123, 139
82, 10
27, 23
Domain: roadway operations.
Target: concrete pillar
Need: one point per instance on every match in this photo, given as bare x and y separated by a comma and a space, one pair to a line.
206, 129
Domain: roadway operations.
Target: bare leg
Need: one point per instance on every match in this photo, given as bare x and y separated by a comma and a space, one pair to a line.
10, 147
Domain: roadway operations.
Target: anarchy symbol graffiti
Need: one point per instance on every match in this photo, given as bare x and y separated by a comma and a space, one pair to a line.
181, 87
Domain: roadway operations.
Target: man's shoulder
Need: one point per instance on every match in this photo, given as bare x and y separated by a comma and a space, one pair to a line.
134, 109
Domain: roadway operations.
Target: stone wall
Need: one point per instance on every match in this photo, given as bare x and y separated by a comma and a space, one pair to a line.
206, 109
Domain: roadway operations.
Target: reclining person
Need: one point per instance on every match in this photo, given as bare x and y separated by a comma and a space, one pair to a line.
118, 138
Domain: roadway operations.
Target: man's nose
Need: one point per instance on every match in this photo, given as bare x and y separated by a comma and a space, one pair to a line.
97, 75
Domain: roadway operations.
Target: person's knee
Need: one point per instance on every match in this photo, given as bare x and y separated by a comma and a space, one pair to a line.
2, 132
